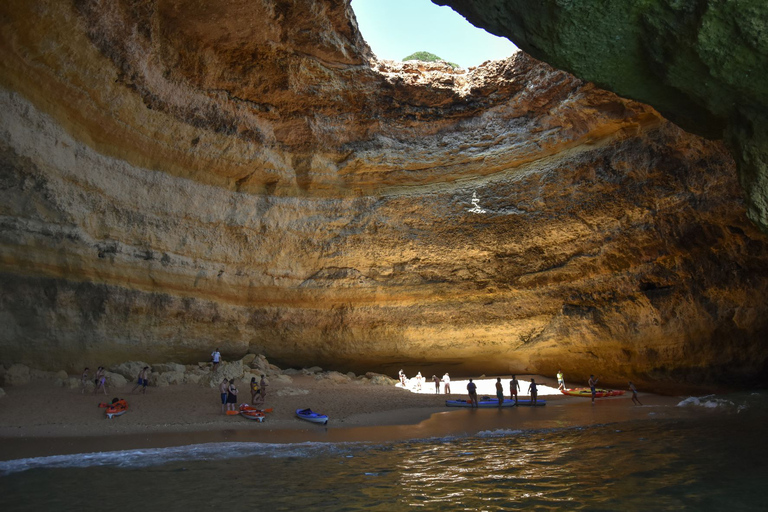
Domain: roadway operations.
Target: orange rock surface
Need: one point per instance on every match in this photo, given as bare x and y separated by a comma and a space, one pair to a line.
177, 177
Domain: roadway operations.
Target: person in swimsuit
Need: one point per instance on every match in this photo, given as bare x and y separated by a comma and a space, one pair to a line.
101, 380
142, 381
560, 381
254, 390
263, 388
436, 380
533, 391
446, 384
634, 393
514, 388
472, 390
223, 387
84, 378
592, 383
231, 396
499, 391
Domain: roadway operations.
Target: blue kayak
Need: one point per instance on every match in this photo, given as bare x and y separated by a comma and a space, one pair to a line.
313, 417
493, 403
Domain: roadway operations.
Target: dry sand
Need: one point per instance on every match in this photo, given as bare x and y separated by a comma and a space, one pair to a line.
38, 419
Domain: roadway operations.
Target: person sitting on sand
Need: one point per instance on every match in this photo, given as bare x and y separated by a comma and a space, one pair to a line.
231, 396
223, 389
533, 391
263, 389
499, 391
101, 380
436, 380
514, 388
634, 393
142, 381
84, 378
592, 383
472, 390
446, 384
560, 381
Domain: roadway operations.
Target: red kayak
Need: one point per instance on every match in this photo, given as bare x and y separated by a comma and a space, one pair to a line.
587, 393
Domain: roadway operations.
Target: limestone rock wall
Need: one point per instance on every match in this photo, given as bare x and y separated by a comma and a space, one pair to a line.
701, 63
174, 178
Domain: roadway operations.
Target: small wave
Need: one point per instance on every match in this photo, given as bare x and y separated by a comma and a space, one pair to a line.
709, 402
499, 433
157, 456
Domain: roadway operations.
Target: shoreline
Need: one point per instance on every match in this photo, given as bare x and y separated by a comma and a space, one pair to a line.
38, 420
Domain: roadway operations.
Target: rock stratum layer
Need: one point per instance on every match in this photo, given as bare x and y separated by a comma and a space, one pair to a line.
175, 176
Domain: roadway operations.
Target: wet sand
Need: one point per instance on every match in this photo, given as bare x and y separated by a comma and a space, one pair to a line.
38, 420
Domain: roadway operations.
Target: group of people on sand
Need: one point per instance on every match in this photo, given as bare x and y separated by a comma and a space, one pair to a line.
229, 393
514, 390
419, 381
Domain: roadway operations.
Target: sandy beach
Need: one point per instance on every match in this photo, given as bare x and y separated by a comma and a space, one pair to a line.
39, 420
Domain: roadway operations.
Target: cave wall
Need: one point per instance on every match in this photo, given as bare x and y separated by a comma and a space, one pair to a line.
701, 63
173, 179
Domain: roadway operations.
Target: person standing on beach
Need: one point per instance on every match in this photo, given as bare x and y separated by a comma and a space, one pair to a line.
223, 388
634, 393
499, 391
101, 380
216, 358
263, 389
401, 376
419, 380
84, 378
446, 384
592, 384
560, 381
254, 390
533, 391
514, 388
142, 381
437, 384
472, 390
231, 396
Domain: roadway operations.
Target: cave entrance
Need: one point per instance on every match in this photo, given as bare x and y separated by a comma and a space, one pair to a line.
397, 29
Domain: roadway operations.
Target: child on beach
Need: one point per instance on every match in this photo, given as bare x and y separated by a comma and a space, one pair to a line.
263, 388
84, 380
101, 380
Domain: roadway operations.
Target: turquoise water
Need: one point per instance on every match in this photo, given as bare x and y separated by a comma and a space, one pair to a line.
715, 460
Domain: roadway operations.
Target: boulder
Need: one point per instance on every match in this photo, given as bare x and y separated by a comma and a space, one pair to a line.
192, 378
281, 379
167, 379
115, 380
248, 358
130, 370
230, 370
378, 379
311, 370
168, 367
62, 375
335, 377
16, 375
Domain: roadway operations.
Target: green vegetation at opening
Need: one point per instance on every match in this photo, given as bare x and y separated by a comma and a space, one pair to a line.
428, 57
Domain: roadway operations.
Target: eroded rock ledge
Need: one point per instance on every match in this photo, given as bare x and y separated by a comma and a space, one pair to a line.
175, 178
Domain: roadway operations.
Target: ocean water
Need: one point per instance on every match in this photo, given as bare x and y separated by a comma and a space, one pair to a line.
715, 459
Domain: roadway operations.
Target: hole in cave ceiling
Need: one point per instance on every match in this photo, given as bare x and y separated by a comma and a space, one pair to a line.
395, 29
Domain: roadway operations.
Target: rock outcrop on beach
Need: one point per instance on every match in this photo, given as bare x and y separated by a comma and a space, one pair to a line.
177, 176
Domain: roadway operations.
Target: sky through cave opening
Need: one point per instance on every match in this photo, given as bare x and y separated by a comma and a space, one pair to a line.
397, 28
